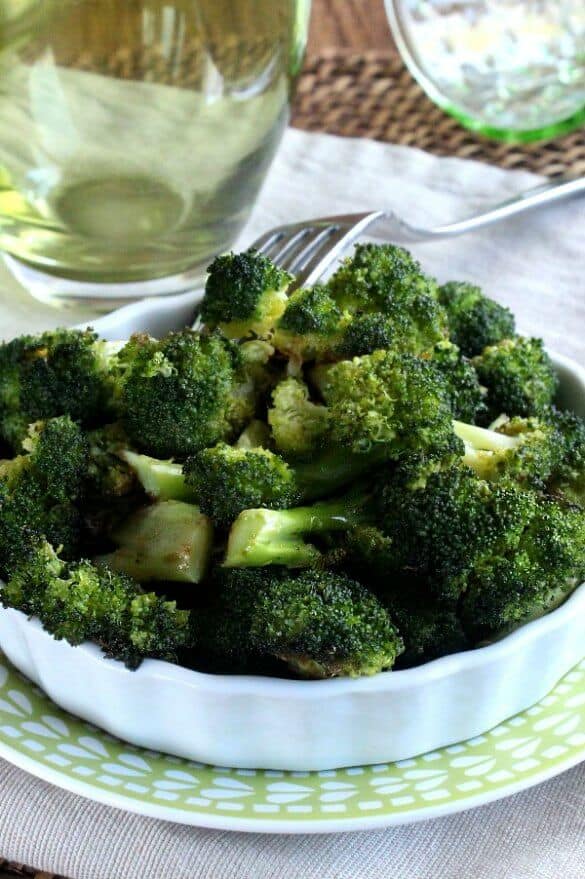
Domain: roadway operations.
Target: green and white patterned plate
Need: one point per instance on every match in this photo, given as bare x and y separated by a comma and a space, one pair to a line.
59, 748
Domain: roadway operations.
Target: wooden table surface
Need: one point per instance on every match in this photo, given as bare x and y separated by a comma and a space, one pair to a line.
349, 24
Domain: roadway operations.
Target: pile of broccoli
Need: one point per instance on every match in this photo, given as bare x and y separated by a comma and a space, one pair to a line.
367, 474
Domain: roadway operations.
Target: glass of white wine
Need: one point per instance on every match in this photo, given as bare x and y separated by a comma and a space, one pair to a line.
135, 135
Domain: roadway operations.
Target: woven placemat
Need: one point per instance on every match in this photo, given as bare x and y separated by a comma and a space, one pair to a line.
372, 94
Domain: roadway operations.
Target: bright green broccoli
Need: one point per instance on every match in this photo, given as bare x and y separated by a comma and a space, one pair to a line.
436, 529
529, 450
464, 392
226, 480
311, 327
245, 293
385, 400
321, 624
568, 478
169, 541
60, 372
78, 602
519, 377
185, 392
299, 426
475, 320
39, 491
376, 277
530, 577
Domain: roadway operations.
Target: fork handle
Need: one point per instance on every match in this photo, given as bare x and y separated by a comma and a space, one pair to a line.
545, 193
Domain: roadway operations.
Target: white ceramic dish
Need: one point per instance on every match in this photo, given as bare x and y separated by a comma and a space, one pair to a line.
252, 722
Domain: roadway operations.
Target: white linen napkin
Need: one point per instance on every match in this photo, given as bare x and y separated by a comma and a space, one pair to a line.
535, 264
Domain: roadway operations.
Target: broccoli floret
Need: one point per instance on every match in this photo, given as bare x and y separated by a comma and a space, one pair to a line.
568, 479
393, 304
168, 541
434, 527
319, 623
534, 575
61, 372
311, 327
526, 449
376, 277
475, 321
395, 401
184, 393
298, 425
519, 377
39, 490
226, 480
245, 293
429, 627
464, 392
108, 475
79, 602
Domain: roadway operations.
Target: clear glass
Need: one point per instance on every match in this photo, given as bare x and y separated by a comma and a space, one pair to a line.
511, 69
135, 134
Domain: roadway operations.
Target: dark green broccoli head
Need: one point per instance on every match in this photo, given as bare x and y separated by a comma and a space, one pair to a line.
39, 491
61, 372
439, 528
412, 324
311, 327
519, 376
524, 581
298, 425
184, 392
108, 476
320, 623
475, 321
376, 277
430, 628
465, 394
78, 601
245, 293
385, 399
226, 480
568, 479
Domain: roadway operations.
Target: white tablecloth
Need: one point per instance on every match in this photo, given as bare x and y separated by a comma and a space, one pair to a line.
537, 266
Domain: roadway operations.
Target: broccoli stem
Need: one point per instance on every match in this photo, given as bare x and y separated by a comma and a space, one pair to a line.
483, 446
161, 480
168, 541
275, 537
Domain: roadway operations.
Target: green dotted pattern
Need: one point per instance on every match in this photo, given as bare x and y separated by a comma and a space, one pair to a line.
523, 750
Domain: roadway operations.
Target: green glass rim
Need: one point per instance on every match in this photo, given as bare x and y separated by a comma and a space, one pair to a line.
505, 135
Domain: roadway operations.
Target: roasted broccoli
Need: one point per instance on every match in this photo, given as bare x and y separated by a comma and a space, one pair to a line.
568, 478
376, 277
78, 601
39, 491
245, 293
395, 401
464, 392
475, 320
530, 577
519, 377
169, 541
319, 623
434, 527
184, 393
61, 372
226, 480
311, 327
299, 426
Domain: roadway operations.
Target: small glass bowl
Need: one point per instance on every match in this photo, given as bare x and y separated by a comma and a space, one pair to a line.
513, 70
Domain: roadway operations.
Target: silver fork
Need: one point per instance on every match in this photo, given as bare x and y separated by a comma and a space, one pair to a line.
309, 248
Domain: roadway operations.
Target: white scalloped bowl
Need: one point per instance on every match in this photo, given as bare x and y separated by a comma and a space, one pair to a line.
255, 722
